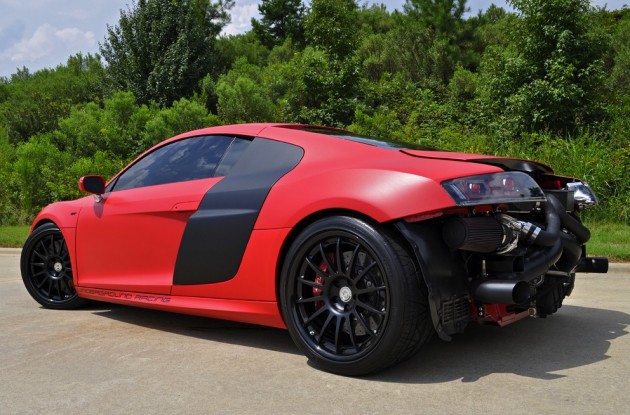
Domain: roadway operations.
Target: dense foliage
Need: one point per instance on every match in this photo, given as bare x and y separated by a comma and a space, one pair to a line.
160, 48
550, 82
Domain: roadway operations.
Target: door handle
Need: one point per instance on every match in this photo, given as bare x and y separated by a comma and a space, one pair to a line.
185, 207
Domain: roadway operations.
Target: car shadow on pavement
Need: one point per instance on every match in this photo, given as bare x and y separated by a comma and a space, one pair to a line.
230, 332
535, 348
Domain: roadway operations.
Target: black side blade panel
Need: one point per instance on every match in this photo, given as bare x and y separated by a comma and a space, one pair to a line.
216, 236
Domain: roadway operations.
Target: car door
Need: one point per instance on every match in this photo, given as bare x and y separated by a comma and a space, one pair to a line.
129, 238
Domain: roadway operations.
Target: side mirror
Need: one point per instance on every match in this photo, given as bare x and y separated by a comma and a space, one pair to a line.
92, 184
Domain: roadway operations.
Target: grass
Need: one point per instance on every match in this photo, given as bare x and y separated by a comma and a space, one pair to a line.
13, 236
611, 240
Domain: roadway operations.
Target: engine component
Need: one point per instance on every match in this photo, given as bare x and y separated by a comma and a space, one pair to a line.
501, 234
593, 264
502, 292
481, 234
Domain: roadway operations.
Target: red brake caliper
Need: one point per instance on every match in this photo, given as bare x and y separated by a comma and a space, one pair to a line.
319, 280
318, 291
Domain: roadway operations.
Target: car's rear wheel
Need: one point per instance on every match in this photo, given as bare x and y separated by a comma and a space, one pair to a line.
352, 297
47, 270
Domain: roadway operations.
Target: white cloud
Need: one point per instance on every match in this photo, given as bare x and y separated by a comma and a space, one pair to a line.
48, 41
44, 33
76, 38
241, 19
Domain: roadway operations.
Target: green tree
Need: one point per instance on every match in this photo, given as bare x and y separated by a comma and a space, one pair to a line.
410, 50
322, 79
230, 48
332, 26
7, 156
37, 165
442, 16
161, 49
91, 140
618, 83
114, 128
320, 89
65, 185
376, 19
552, 77
494, 27
281, 19
184, 115
462, 94
33, 103
244, 96
397, 109
435, 35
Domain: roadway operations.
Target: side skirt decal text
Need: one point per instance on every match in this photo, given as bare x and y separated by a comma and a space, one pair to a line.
109, 294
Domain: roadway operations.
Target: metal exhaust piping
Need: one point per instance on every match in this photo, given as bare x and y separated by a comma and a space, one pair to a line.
502, 292
534, 234
593, 264
513, 287
549, 236
571, 254
581, 232
536, 264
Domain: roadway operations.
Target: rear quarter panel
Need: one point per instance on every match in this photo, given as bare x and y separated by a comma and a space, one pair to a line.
384, 184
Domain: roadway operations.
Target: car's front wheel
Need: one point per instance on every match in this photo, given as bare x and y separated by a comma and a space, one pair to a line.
352, 297
47, 270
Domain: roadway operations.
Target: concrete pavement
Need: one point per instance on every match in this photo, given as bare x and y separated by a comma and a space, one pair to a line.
121, 360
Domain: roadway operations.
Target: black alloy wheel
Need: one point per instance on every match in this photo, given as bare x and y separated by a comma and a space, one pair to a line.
47, 269
352, 297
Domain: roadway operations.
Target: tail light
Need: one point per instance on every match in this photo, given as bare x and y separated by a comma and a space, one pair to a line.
583, 194
505, 187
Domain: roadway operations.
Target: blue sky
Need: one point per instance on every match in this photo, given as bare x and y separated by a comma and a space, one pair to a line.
44, 33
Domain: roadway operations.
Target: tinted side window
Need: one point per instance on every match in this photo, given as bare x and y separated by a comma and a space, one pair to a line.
232, 155
188, 159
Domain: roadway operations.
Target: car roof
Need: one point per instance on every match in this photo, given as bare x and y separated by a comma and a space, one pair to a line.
302, 135
254, 129
314, 136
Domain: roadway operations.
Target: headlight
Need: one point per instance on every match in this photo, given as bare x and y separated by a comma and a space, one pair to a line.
507, 187
583, 194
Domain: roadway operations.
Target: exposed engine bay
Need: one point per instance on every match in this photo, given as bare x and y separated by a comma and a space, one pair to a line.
510, 250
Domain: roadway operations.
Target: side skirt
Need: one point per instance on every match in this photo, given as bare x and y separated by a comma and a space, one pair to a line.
265, 313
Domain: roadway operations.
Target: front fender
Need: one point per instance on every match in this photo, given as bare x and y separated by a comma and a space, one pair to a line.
63, 214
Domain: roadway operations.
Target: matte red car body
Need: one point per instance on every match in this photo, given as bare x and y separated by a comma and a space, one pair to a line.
129, 256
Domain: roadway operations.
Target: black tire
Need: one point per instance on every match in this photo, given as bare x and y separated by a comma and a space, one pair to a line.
363, 316
47, 271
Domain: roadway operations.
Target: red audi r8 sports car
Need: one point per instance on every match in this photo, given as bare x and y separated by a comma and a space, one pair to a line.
361, 248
